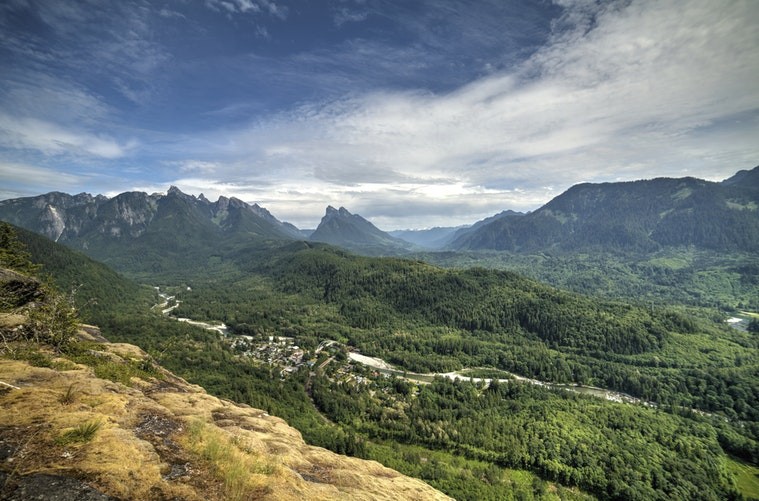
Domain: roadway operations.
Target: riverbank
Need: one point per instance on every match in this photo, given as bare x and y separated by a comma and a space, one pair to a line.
385, 368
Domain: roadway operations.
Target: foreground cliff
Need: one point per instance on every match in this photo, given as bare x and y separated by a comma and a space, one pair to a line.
107, 423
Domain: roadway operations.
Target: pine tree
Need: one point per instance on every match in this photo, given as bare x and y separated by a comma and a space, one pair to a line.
13, 253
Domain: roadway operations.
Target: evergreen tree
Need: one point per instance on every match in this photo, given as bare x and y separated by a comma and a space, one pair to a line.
13, 253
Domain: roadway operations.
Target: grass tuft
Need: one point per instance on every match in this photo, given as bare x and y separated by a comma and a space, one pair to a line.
82, 433
69, 396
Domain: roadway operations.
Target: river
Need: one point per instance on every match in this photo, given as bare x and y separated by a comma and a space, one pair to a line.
220, 327
385, 368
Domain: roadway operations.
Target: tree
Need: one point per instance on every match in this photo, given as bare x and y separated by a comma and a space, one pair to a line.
13, 253
54, 321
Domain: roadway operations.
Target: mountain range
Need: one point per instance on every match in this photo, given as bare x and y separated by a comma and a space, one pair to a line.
641, 215
144, 232
150, 233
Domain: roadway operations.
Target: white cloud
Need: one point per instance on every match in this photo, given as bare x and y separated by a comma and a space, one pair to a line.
21, 179
624, 91
248, 6
198, 166
168, 13
52, 139
38, 94
345, 15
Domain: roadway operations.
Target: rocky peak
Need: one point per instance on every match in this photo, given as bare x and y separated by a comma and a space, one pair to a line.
340, 227
176, 192
341, 212
222, 203
262, 212
237, 203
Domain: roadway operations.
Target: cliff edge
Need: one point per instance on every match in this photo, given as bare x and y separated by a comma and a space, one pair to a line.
104, 421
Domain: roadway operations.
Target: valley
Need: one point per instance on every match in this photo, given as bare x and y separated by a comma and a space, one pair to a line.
379, 250
283, 353
559, 372
466, 375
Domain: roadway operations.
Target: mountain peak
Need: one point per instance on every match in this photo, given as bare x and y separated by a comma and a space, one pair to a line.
351, 231
342, 211
172, 220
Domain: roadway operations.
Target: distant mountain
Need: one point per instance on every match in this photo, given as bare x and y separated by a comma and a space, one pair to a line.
433, 238
640, 215
138, 232
461, 233
744, 178
351, 231
439, 238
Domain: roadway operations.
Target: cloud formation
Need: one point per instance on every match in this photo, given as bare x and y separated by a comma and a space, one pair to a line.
51, 139
18, 178
623, 91
248, 6
411, 114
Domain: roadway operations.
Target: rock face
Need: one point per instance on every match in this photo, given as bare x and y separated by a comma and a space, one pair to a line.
74, 219
54, 488
161, 438
161, 229
351, 231
17, 289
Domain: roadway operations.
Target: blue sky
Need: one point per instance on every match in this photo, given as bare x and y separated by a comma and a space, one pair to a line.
410, 113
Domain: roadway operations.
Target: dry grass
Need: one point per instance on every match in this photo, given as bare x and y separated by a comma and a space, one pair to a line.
166, 439
244, 474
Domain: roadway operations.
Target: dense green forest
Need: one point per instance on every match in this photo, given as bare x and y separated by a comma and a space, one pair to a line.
428, 319
501, 442
684, 276
615, 451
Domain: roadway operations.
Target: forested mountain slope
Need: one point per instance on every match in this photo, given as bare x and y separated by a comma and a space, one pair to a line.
138, 232
640, 216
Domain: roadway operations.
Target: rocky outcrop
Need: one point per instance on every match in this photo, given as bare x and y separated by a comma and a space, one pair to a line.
159, 437
17, 289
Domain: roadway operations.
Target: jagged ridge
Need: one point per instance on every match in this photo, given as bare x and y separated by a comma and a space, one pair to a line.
138, 232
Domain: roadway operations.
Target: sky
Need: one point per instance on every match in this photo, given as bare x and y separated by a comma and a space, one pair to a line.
412, 113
